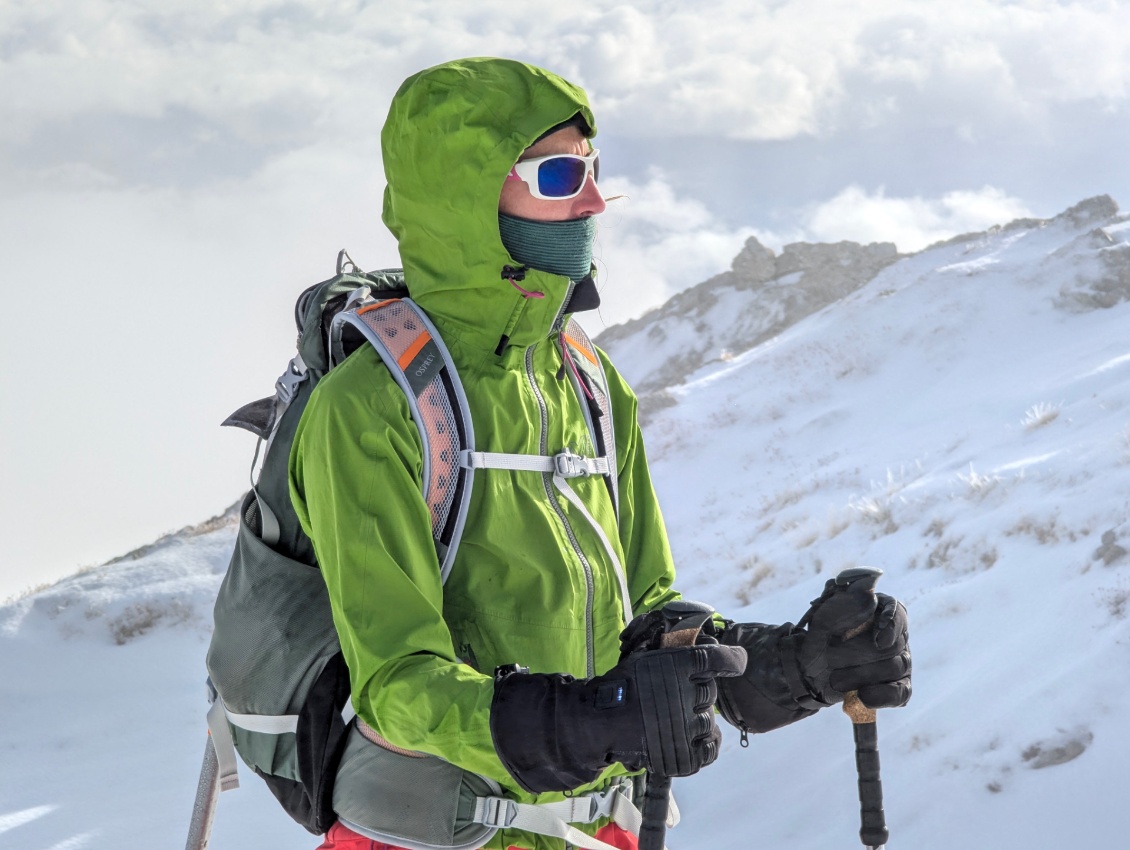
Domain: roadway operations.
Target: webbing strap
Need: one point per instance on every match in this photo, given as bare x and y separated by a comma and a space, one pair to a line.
224, 746
597, 384
267, 724
625, 597
273, 724
271, 531
563, 466
567, 464
556, 819
673, 815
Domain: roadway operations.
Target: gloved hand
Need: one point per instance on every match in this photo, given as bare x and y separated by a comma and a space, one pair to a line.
654, 710
793, 671
875, 663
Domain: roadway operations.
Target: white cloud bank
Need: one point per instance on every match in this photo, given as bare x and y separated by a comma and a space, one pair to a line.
911, 223
735, 68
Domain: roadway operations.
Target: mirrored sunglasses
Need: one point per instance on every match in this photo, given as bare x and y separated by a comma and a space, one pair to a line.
557, 177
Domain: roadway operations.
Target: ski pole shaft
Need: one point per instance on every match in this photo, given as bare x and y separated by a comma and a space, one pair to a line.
873, 822
207, 794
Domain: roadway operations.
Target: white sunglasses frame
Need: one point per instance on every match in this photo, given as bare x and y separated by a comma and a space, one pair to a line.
527, 172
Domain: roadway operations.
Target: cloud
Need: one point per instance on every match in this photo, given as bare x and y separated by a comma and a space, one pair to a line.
270, 72
911, 223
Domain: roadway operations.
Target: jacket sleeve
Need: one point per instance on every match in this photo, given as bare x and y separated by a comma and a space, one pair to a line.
355, 477
643, 536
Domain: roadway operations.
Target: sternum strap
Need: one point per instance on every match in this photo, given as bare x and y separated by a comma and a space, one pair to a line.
561, 466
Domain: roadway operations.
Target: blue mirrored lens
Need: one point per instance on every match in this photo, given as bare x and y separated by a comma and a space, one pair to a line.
561, 176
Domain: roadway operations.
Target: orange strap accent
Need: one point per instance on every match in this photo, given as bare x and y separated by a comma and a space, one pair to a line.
419, 342
377, 306
581, 349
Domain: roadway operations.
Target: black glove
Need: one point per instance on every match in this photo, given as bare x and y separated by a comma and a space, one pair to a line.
875, 663
764, 697
795, 671
653, 710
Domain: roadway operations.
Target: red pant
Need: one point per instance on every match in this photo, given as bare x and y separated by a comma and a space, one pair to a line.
341, 838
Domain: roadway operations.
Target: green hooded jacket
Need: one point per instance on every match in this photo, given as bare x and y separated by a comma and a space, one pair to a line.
532, 583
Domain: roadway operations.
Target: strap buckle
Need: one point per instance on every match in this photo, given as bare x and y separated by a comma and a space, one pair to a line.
497, 812
359, 296
603, 802
287, 384
569, 464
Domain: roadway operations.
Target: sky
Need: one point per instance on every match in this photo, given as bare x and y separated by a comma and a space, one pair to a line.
991, 485
173, 173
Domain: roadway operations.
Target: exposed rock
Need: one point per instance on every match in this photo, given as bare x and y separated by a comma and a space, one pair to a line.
754, 263
1050, 754
1110, 552
1102, 279
760, 296
1092, 211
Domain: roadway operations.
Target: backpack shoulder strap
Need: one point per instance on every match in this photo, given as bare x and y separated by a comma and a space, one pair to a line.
591, 384
421, 365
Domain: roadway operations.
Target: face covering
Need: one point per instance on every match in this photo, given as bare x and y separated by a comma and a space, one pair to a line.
557, 247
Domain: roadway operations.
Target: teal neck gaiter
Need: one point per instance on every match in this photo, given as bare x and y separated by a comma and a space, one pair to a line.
557, 247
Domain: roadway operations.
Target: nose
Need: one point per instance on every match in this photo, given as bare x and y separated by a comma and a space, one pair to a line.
589, 202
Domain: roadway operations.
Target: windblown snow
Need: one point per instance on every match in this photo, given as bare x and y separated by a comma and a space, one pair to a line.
958, 417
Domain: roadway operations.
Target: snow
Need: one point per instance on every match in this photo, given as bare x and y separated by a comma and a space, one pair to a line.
961, 420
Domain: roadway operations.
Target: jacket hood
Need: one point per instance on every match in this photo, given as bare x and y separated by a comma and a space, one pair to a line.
453, 133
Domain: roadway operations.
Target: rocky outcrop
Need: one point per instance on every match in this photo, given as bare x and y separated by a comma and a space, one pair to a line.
762, 294
1101, 278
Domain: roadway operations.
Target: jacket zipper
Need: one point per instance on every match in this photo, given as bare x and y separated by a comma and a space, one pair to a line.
547, 483
558, 320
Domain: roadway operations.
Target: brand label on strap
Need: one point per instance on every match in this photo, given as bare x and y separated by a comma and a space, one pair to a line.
425, 362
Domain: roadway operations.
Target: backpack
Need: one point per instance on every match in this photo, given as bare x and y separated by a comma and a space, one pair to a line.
278, 682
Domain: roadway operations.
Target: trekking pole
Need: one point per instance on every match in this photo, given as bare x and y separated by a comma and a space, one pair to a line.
859, 583
207, 794
682, 621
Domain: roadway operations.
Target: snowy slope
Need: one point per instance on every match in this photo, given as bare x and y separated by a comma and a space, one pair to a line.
961, 419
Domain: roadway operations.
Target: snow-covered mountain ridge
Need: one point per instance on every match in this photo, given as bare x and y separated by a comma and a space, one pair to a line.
760, 296
959, 417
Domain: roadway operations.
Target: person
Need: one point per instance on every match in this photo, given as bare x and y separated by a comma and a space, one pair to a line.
493, 197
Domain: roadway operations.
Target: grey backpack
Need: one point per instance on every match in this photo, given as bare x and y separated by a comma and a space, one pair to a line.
274, 661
